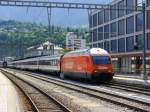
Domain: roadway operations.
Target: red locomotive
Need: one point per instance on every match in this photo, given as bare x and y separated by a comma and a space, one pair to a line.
92, 64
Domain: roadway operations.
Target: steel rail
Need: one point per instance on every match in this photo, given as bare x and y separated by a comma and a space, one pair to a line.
63, 107
34, 107
129, 88
92, 92
119, 86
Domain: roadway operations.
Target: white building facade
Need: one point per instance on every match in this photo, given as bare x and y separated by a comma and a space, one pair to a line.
46, 48
73, 43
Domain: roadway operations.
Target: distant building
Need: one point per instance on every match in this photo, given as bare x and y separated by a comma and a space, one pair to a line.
8, 58
79, 43
120, 32
47, 48
73, 43
70, 40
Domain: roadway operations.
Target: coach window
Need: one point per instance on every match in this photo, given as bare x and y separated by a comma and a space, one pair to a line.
49, 62
43, 62
55, 62
121, 11
100, 17
100, 33
106, 31
121, 45
33, 62
113, 29
106, 46
130, 43
139, 22
130, 25
106, 15
30, 62
113, 45
52, 62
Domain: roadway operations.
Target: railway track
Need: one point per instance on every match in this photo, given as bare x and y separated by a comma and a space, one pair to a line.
134, 103
129, 88
125, 87
33, 106
39, 100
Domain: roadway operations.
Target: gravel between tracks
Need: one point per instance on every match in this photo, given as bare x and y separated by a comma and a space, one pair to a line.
77, 102
132, 95
24, 101
41, 101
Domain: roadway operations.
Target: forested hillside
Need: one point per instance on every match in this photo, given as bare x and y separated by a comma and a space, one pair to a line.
15, 36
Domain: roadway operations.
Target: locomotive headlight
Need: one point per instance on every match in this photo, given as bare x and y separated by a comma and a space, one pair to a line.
95, 71
109, 71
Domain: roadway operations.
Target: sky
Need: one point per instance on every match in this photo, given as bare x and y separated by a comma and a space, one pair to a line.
60, 17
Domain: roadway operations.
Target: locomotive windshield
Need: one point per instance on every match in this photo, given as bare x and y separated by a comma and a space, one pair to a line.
101, 60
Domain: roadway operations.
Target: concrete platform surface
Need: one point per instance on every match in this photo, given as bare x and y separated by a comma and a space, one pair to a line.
134, 76
132, 80
9, 98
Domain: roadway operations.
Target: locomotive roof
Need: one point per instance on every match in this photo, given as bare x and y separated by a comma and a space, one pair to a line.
91, 51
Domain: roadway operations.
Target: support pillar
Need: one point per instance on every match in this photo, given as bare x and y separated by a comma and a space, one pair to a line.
119, 65
138, 64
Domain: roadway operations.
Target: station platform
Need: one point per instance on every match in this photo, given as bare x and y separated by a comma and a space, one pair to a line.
9, 98
134, 80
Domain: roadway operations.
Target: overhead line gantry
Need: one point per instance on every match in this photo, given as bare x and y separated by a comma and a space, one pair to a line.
49, 4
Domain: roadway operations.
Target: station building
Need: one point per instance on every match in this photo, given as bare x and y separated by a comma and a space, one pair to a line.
46, 48
119, 31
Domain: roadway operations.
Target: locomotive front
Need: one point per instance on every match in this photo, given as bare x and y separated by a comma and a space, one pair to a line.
101, 64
